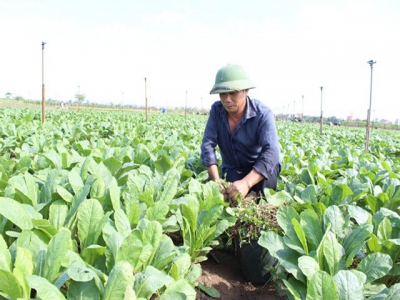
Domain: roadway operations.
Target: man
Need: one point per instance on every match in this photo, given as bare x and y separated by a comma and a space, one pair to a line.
244, 130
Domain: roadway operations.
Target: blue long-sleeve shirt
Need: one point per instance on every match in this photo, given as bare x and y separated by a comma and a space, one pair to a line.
253, 144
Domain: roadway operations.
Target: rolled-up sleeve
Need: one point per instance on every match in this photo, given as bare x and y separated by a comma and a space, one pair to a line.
210, 139
268, 158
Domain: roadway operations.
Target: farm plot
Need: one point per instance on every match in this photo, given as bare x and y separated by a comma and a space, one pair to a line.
102, 205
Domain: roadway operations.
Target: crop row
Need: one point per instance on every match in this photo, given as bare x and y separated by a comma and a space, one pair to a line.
103, 205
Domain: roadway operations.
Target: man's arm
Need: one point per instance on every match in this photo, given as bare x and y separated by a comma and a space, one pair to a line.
244, 185
213, 172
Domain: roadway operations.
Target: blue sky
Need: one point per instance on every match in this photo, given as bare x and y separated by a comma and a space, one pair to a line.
289, 48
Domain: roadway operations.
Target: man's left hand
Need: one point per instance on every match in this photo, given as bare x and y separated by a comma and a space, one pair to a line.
239, 186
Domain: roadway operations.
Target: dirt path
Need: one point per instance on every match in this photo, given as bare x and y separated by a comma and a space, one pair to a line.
226, 277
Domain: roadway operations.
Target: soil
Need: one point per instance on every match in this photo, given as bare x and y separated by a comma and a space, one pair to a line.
222, 271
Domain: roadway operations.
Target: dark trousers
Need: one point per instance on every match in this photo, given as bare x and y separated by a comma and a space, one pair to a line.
271, 182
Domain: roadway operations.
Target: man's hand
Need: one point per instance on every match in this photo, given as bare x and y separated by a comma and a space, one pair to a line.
223, 186
238, 187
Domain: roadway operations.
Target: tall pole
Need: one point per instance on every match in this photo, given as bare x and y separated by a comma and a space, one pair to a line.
302, 108
122, 101
79, 95
294, 110
43, 87
320, 120
371, 63
145, 93
186, 105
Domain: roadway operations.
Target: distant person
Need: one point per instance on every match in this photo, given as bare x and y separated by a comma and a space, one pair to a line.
244, 130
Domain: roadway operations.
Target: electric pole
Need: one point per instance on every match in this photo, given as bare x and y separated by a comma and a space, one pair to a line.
371, 63
320, 121
43, 87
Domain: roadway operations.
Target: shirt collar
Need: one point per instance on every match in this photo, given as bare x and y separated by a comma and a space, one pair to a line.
249, 112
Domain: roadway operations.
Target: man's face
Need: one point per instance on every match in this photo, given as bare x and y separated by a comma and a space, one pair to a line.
234, 102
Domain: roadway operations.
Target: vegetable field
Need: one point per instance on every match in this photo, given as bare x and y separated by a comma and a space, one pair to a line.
102, 205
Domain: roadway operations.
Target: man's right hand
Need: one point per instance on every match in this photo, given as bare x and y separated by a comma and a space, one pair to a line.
223, 188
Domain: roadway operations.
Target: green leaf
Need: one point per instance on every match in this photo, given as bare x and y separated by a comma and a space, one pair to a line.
190, 216
92, 253
98, 188
5, 255
152, 233
285, 215
374, 203
300, 234
320, 249
10, 285
340, 192
286, 256
394, 292
165, 253
83, 291
373, 244
134, 250
209, 290
359, 214
307, 177
194, 273
75, 180
23, 267
115, 194
120, 281
58, 213
181, 287
322, 286
78, 272
309, 194
34, 242
113, 164
375, 266
157, 212
308, 265
334, 216
53, 159
170, 185
311, 225
15, 212
349, 285
90, 214
163, 164
45, 289
122, 222
355, 241
26, 188
64, 194
297, 288
333, 254
57, 248
45, 226
180, 266
384, 230
77, 200
150, 281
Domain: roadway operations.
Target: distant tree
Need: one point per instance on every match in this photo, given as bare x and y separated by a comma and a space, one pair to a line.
19, 98
80, 98
8, 95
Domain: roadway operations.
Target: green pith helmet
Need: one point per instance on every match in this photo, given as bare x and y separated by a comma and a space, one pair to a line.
231, 78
